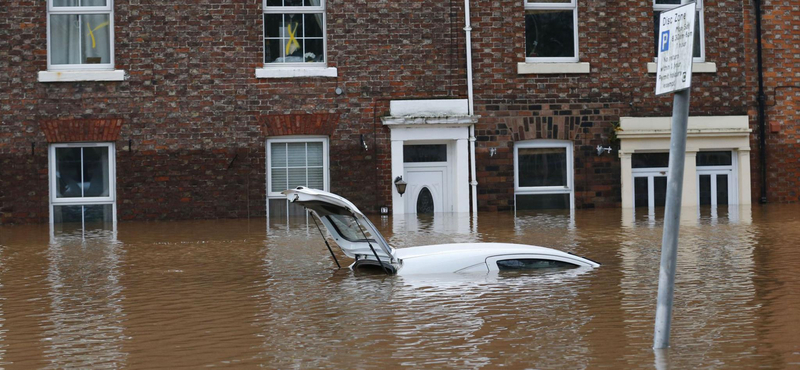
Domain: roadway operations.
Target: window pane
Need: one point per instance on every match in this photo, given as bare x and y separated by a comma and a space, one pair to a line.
279, 179
72, 3
542, 201
315, 51
95, 172
274, 2
67, 214
293, 2
649, 160
297, 154
272, 50
94, 214
68, 173
315, 178
549, 33
425, 153
297, 177
542, 167
277, 207
278, 155
640, 192
315, 154
425, 201
313, 25
722, 189
705, 189
660, 191
80, 39
714, 159
668, 2
272, 25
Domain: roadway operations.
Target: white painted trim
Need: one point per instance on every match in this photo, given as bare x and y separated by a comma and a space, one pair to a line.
291, 72
697, 67
553, 68
429, 107
75, 76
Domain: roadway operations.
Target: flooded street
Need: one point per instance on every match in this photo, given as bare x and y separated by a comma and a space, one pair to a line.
258, 293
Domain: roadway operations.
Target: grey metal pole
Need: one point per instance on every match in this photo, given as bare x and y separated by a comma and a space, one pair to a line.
672, 214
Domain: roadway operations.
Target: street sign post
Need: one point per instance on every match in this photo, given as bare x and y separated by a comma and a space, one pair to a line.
674, 74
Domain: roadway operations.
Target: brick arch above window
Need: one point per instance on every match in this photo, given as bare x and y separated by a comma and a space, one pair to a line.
79, 130
300, 124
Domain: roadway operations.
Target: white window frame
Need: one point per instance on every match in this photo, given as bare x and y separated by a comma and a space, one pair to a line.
66, 10
700, 18
84, 201
276, 193
543, 190
572, 5
650, 173
713, 171
296, 10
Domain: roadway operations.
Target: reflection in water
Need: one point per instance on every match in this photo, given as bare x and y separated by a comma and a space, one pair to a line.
238, 294
85, 324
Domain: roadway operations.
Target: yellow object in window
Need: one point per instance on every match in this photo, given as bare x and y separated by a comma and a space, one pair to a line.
91, 31
292, 45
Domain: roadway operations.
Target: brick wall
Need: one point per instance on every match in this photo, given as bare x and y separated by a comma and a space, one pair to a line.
616, 38
197, 118
780, 36
195, 114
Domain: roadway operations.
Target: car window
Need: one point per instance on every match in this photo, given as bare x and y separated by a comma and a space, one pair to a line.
532, 264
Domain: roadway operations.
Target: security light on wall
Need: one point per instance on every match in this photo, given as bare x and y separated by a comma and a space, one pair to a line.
400, 185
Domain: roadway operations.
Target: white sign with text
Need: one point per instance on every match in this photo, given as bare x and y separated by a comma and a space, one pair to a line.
675, 49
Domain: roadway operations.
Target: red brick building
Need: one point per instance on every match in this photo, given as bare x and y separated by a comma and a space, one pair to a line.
206, 109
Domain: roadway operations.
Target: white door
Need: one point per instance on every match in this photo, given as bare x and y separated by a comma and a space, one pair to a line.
425, 192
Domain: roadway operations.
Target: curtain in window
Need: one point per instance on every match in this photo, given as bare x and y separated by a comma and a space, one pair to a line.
318, 15
80, 38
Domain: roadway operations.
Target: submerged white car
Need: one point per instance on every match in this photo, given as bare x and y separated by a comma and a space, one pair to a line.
359, 239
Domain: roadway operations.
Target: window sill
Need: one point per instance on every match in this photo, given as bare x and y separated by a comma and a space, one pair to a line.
289, 72
74, 76
697, 67
552, 68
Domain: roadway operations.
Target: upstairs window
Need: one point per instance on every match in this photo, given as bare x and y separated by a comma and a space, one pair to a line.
699, 42
80, 34
294, 32
551, 31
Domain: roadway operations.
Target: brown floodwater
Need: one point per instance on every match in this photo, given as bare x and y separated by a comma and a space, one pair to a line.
266, 293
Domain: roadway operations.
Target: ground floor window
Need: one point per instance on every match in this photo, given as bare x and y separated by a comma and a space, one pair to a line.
716, 183
293, 162
543, 175
82, 185
649, 179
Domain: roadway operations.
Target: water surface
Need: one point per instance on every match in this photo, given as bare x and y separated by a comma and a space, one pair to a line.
266, 293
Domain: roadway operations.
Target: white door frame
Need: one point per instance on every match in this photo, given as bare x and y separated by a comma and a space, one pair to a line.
650, 174
456, 138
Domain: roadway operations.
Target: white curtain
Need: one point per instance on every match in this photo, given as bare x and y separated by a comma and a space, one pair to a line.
80, 38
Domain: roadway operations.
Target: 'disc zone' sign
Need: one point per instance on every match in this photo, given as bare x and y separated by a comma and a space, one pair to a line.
675, 49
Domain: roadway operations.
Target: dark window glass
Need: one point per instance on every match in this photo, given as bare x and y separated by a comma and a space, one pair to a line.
532, 264
278, 208
542, 201
660, 191
705, 189
542, 167
656, 20
425, 201
714, 158
425, 153
648, 160
549, 33
640, 194
722, 189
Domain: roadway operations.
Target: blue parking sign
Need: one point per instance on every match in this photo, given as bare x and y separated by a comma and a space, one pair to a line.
665, 41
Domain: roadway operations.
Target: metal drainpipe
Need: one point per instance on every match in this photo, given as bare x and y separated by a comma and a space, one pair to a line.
471, 107
761, 102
